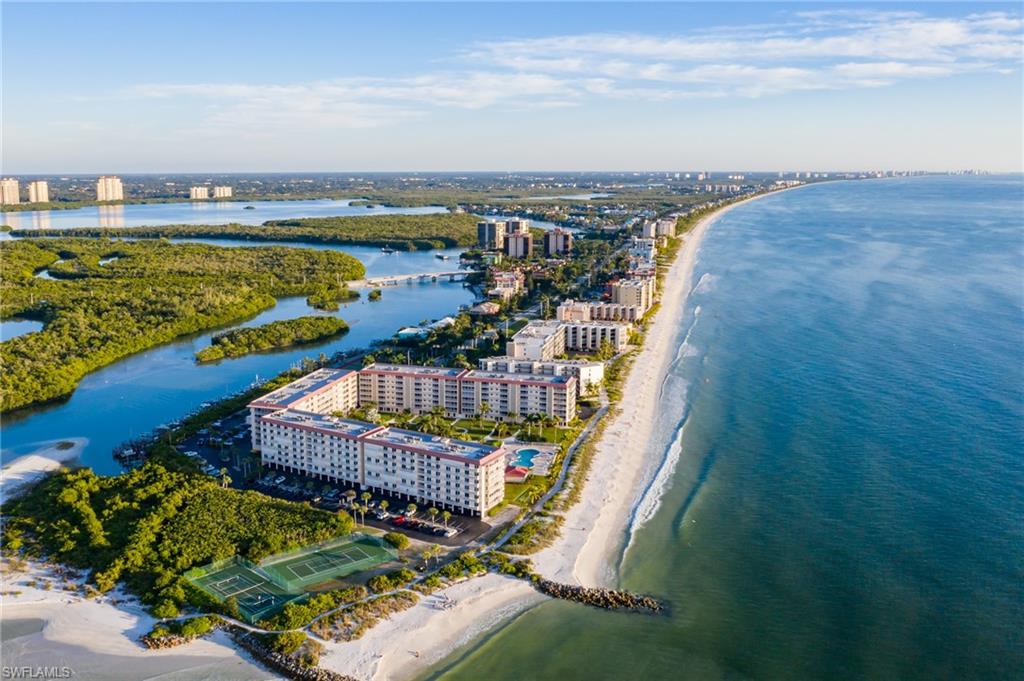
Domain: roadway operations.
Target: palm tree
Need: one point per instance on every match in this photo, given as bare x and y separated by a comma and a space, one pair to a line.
410, 510
432, 512
432, 552
533, 495
446, 515
225, 479
350, 495
384, 505
485, 409
366, 496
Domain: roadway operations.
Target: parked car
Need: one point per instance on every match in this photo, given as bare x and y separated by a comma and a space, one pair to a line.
451, 532
279, 479
398, 520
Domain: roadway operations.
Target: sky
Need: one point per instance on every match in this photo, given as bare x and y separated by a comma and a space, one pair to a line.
292, 87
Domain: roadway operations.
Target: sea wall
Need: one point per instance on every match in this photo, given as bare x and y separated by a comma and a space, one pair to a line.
608, 599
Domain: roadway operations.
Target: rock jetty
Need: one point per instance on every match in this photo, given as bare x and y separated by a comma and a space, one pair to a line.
609, 599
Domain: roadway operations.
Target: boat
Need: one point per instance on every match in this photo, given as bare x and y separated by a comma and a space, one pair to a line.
442, 256
249, 208
387, 249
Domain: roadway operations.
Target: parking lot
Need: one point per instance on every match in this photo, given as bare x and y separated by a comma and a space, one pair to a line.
457, 531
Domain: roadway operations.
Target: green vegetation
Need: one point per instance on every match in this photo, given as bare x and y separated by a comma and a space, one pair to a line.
280, 334
374, 295
151, 293
401, 232
295, 615
397, 539
147, 527
391, 581
193, 627
351, 622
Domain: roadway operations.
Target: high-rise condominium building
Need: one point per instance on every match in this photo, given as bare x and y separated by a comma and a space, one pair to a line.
222, 192
9, 194
199, 193
557, 241
490, 234
519, 245
38, 191
109, 188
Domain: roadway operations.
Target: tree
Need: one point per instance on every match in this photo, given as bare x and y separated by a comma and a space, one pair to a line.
410, 510
605, 351
225, 479
485, 410
350, 494
366, 496
447, 516
432, 512
432, 552
384, 504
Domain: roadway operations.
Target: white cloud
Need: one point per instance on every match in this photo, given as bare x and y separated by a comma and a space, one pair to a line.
811, 50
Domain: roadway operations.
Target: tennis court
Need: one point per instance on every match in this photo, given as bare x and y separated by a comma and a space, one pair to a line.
263, 589
258, 596
323, 562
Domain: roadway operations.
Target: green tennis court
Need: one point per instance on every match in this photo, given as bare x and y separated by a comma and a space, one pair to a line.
263, 589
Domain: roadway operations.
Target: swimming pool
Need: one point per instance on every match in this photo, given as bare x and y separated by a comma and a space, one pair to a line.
524, 457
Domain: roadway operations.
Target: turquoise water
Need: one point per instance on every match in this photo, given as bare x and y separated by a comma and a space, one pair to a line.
197, 213
524, 457
847, 497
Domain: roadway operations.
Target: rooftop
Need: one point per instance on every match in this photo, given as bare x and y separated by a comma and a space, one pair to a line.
430, 444
301, 388
520, 360
439, 372
517, 378
538, 329
340, 426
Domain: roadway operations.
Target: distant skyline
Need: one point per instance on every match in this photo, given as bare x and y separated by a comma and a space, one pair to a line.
323, 87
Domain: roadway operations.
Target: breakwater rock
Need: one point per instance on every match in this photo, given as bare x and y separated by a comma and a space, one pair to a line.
283, 664
609, 599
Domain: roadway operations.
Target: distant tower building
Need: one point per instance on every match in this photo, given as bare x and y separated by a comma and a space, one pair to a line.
519, 245
701, 177
109, 188
199, 193
38, 192
517, 226
9, 193
557, 241
222, 192
490, 234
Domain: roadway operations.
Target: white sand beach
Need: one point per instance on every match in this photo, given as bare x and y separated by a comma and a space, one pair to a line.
21, 473
423, 635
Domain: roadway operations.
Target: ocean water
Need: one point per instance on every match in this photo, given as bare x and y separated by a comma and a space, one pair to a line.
844, 432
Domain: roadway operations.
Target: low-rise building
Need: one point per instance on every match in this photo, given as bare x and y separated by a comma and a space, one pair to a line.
508, 284
537, 340
485, 309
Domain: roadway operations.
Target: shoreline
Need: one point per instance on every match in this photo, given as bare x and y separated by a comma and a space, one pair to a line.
21, 473
414, 640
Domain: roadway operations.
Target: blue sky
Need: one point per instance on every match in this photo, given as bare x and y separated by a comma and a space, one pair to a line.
178, 87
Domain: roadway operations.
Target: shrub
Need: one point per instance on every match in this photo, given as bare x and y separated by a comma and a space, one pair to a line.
397, 539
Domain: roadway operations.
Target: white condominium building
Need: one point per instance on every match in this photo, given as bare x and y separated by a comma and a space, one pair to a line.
517, 226
38, 191
323, 392
396, 388
315, 444
109, 188
637, 292
588, 336
590, 310
588, 374
517, 395
195, 193
519, 245
557, 241
649, 230
445, 473
9, 193
538, 340
222, 192
666, 227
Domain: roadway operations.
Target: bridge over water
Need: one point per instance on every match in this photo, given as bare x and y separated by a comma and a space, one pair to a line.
397, 279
